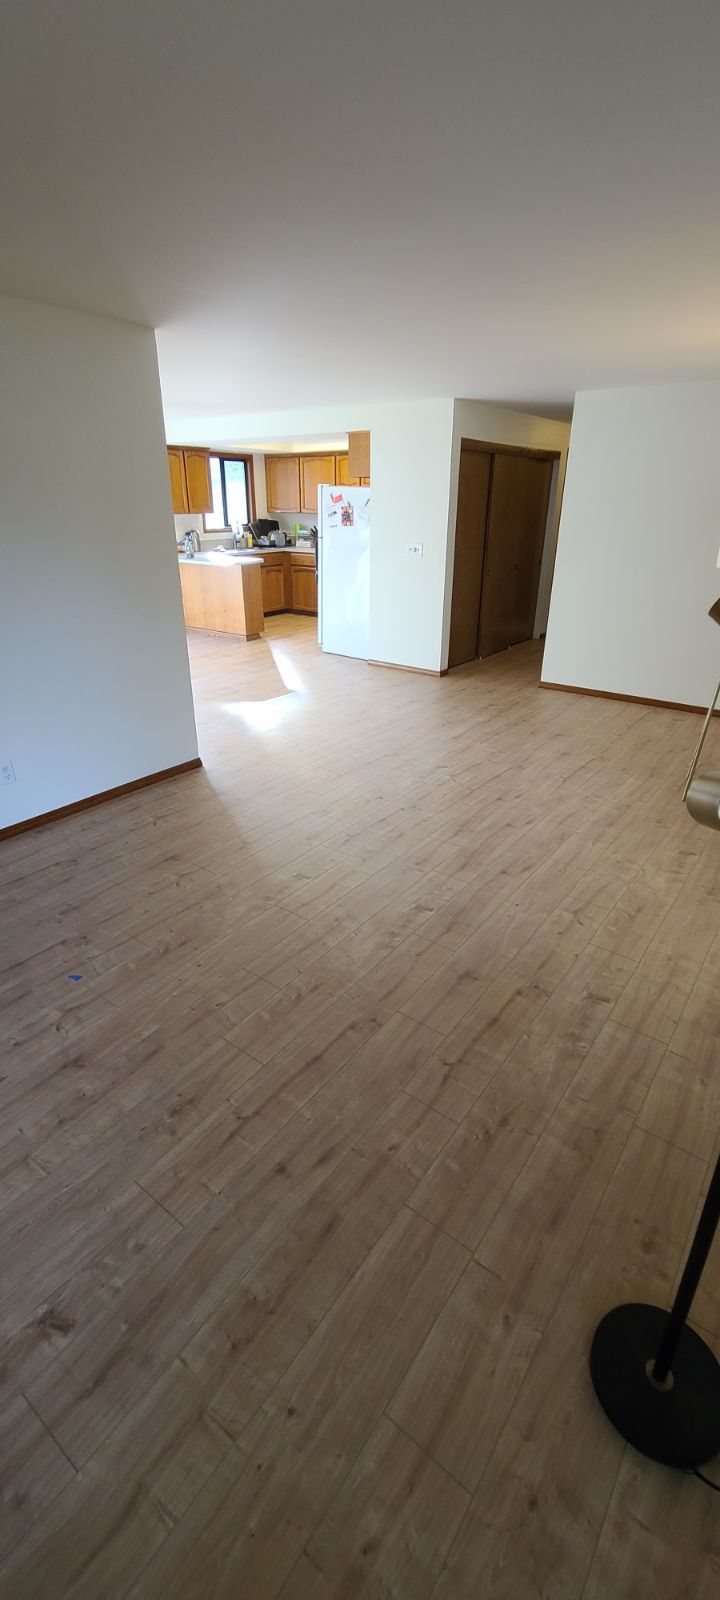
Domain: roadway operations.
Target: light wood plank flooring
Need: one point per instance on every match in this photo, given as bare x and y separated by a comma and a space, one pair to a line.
392, 1064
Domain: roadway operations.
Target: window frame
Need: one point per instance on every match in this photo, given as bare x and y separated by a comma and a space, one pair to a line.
234, 455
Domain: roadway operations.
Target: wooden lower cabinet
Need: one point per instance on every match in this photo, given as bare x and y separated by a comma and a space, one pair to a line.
273, 582
223, 599
303, 589
288, 581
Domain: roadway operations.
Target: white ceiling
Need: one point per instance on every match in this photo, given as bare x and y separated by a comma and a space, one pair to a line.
336, 200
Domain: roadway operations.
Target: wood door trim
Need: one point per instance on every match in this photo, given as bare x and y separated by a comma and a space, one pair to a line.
99, 799
509, 449
630, 699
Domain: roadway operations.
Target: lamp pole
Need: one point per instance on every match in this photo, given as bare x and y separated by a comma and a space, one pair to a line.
655, 1378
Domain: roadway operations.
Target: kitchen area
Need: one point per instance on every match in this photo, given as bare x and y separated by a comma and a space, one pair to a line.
246, 528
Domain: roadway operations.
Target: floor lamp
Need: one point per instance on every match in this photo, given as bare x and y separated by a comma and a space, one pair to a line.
655, 1378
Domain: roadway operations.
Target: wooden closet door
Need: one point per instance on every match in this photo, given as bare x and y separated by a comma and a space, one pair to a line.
472, 507
513, 550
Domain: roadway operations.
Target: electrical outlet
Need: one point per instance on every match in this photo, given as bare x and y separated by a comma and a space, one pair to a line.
415, 550
7, 772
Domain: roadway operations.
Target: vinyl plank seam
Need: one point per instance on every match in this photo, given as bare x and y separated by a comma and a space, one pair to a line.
625, 1453
540, 1328
160, 1204
47, 1429
371, 1426
456, 1121
423, 1449
13, 1551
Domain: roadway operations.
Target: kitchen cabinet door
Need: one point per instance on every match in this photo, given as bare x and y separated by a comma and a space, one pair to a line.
282, 483
359, 453
313, 471
304, 589
342, 471
197, 477
273, 582
178, 483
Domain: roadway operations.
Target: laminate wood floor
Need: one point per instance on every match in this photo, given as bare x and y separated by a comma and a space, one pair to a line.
391, 1064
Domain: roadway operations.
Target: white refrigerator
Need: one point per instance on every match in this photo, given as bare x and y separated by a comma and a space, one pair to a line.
344, 570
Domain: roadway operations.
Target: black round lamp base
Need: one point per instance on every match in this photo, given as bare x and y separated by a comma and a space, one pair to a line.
678, 1424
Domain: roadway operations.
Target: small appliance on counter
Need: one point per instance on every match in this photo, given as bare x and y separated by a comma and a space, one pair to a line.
267, 532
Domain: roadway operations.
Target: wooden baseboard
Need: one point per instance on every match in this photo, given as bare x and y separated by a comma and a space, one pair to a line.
99, 799
632, 699
396, 666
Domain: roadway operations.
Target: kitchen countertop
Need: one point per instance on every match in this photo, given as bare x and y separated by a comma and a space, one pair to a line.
222, 558
233, 558
283, 550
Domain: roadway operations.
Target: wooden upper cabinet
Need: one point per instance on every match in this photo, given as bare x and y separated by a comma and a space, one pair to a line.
313, 471
282, 483
178, 481
189, 479
342, 472
197, 477
359, 454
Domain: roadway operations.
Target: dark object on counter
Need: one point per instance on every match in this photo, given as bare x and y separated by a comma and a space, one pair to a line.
263, 529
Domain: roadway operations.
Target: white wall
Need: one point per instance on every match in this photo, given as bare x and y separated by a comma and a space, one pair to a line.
94, 688
639, 536
493, 424
410, 484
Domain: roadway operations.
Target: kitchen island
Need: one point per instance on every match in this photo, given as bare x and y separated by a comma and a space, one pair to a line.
222, 591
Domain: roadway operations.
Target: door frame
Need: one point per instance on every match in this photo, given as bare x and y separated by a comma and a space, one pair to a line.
509, 449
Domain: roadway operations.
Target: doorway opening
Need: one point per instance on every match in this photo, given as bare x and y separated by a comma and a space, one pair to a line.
501, 522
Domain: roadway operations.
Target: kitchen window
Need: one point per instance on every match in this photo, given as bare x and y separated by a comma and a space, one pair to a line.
232, 492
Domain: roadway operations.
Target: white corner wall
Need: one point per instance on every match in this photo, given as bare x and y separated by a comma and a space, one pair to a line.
411, 452
95, 686
639, 537
493, 424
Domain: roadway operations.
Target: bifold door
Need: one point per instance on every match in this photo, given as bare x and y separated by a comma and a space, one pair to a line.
472, 511
503, 500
